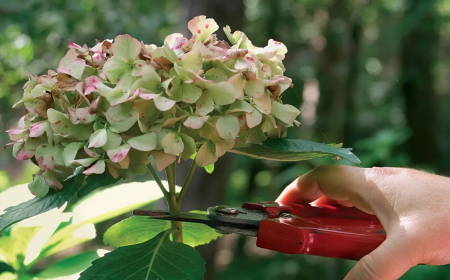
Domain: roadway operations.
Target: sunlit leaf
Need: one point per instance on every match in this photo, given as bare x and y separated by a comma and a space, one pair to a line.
69, 266
40, 205
157, 258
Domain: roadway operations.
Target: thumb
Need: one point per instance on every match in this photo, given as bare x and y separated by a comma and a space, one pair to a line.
388, 262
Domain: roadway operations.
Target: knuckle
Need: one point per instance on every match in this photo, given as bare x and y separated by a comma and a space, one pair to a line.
365, 269
328, 168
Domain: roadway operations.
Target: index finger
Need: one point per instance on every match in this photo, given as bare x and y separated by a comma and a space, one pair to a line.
337, 182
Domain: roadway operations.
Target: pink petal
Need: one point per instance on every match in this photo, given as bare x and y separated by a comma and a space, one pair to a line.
37, 129
119, 154
24, 155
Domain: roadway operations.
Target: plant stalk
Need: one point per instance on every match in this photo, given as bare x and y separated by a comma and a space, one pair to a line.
174, 207
187, 182
158, 181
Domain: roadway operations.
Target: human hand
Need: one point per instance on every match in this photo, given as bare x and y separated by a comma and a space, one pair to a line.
413, 207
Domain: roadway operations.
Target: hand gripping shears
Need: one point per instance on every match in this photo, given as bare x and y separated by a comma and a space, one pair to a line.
328, 231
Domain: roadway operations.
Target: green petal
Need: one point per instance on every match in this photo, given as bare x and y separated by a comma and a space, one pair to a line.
204, 105
126, 48
98, 168
202, 27
117, 96
254, 88
189, 146
38, 186
223, 146
191, 61
146, 142
163, 103
98, 139
191, 93
240, 106
195, 122
72, 65
227, 127
162, 159
222, 93
206, 154
237, 81
173, 144
254, 118
85, 161
55, 116
113, 140
45, 156
118, 154
284, 112
217, 75
264, 103
70, 152
121, 117
114, 68
38, 91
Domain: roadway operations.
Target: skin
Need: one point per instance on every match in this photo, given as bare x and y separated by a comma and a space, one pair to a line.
413, 207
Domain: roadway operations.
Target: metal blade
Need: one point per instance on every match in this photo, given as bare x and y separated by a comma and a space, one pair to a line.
189, 217
222, 226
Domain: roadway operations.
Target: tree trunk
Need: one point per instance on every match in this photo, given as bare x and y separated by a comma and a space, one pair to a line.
209, 189
333, 72
419, 52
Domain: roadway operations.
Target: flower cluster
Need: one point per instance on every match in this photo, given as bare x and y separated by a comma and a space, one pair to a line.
111, 106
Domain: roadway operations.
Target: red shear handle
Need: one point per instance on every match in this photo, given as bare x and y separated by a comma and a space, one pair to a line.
335, 232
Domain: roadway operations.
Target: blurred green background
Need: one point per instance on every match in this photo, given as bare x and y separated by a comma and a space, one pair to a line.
372, 74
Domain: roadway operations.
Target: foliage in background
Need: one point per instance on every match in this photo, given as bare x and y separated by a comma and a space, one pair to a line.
33, 240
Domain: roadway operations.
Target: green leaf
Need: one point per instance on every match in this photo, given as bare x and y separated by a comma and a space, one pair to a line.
294, 150
96, 181
69, 266
157, 258
209, 168
114, 201
40, 205
104, 205
137, 229
69, 238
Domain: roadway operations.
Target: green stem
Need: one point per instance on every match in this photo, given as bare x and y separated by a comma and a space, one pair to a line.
158, 181
187, 182
174, 207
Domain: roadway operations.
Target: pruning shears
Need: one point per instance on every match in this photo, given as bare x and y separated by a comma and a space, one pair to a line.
328, 231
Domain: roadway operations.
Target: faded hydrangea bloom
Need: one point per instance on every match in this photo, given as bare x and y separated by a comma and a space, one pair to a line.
109, 107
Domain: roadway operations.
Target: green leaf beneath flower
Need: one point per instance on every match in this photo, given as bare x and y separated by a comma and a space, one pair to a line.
137, 229
40, 205
294, 150
157, 258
